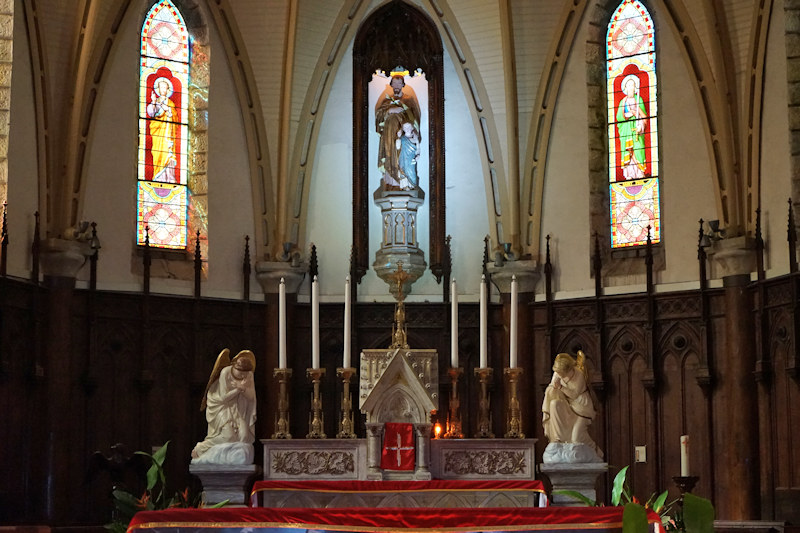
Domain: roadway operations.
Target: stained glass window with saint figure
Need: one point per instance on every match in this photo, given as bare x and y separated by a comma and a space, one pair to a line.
163, 195
632, 126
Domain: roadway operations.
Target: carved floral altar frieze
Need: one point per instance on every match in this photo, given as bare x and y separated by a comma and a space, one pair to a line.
334, 463
301, 459
484, 462
483, 458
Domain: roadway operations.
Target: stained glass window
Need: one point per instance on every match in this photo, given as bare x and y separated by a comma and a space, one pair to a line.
632, 126
163, 195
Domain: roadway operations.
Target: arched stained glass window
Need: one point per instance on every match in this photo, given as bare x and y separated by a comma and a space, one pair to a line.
632, 126
163, 195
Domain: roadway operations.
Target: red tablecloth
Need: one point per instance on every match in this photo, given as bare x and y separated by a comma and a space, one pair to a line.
549, 519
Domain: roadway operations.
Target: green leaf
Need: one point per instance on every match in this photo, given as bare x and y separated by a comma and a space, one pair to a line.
223, 503
576, 495
161, 454
152, 476
698, 514
126, 503
619, 485
634, 519
658, 504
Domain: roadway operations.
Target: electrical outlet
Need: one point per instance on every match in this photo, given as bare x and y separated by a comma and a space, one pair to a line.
640, 454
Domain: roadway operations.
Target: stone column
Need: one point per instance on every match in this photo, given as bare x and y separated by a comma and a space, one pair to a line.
527, 275
374, 441
60, 260
422, 472
735, 402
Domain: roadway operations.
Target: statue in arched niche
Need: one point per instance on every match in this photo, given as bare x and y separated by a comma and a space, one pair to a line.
397, 121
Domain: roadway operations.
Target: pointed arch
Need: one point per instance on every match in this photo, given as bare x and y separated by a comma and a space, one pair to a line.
163, 194
632, 122
376, 47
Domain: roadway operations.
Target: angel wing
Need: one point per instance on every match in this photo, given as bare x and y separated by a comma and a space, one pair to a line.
586, 374
223, 360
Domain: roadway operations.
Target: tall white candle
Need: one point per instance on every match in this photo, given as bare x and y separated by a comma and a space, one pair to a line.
282, 325
685, 455
512, 352
453, 325
483, 359
314, 323
346, 355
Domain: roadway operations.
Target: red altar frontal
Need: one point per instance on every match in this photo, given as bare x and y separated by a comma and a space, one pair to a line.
290, 520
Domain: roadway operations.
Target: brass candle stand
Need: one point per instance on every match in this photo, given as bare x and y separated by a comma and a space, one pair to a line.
484, 415
454, 418
514, 420
282, 416
315, 424
685, 484
346, 423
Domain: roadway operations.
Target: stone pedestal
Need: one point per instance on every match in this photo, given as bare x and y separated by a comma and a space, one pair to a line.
580, 477
224, 482
399, 243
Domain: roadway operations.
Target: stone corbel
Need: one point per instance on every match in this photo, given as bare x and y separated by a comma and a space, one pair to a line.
269, 274
63, 258
733, 256
526, 272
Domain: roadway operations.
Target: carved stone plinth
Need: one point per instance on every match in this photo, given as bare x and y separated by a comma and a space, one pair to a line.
224, 482
580, 477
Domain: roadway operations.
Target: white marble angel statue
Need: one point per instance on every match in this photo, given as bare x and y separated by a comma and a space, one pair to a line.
568, 407
230, 406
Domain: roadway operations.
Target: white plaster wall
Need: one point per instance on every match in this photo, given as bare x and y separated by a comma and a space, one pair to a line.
776, 185
110, 197
23, 178
565, 201
330, 201
687, 191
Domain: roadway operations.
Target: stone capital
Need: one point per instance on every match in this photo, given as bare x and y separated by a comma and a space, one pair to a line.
63, 258
269, 274
733, 256
526, 273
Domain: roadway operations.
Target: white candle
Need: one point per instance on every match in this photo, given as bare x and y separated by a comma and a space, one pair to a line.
512, 355
314, 323
483, 359
453, 325
685, 455
346, 355
282, 325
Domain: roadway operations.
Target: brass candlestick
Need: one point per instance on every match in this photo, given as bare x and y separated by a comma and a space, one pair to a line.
346, 423
315, 429
454, 419
514, 420
685, 484
484, 415
282, 416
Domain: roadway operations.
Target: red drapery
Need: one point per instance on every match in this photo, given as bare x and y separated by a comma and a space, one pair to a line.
390, 519
398, 447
